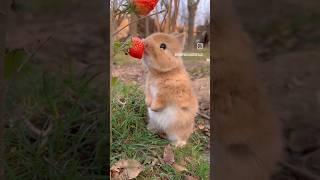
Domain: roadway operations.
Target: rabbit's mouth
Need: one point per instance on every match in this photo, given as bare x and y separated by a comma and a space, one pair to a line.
146, 60
147, 49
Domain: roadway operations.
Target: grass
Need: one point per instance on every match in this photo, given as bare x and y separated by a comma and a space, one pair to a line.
76, 146
122, 59
131, 139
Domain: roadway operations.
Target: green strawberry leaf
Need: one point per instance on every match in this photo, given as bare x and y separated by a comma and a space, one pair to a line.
121, 46
116, 47
131, 8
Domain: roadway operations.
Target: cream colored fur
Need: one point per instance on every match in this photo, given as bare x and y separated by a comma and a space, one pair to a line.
172, 104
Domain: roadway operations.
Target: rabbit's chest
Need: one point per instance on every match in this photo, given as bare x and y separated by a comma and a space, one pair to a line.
153, 90
164, 118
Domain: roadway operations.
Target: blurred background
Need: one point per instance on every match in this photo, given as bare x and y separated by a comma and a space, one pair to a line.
55, 109
286, 34
191, 17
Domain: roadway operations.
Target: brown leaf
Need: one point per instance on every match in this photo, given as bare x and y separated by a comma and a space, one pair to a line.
179, 168
190, 178
168, 156
188, 159
154, 162
126, 169
201, 126
183, 162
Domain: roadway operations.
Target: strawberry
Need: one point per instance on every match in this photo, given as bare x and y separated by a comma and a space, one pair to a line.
144, 7
137, 48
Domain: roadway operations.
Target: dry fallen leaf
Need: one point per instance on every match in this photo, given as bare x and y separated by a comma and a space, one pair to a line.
183, 162
201, 126
190, 178
188, 159
154, 161
126, 169
168, 156
178, 167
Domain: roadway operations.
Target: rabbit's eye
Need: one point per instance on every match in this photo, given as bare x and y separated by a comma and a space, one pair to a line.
163, 46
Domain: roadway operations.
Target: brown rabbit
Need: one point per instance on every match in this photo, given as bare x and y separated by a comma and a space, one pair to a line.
172, 104
247, 140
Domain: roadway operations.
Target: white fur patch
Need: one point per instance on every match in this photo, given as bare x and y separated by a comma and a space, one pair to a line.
173, 137
146, 61
153, 91
164, 118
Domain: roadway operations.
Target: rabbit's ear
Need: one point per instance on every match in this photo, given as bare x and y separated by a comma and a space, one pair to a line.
181, 37
175, 33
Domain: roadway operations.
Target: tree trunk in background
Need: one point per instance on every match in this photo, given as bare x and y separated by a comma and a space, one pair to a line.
168, 18
192, 9
157, 23
174, 16
133, 28
171, 19
4, 6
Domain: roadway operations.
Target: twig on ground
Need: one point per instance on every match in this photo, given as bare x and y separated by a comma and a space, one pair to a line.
203, 115
38, 132
113, 34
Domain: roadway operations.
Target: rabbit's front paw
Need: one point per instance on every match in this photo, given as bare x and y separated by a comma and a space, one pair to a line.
148, 101
157, 106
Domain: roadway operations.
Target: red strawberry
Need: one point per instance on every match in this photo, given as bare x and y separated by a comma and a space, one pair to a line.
144, 7
137, 48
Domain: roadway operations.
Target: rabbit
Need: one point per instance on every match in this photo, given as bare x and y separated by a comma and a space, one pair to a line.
248, 140
169, 96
